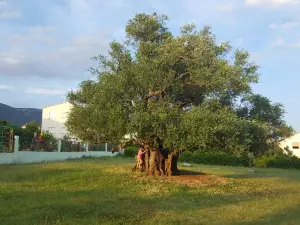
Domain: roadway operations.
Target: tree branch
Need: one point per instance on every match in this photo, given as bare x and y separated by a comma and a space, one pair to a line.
182, 75
184, 103
154, 93
196, 84
186, 59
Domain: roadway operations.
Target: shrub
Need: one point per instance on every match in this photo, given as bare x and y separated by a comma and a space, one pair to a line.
223, 158
280, 161
186, 156
263, 161
131, 151
213, 158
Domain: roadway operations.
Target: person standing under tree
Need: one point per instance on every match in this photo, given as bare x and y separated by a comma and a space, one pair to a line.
139, 157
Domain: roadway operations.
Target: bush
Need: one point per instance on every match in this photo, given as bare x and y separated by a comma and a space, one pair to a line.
213, 158
186, 156
282, 161
263, 161
223, 158
131, 151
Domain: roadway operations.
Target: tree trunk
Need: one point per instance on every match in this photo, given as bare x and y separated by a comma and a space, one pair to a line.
156, 163
146, 161
174, 168
171, 165
153, 164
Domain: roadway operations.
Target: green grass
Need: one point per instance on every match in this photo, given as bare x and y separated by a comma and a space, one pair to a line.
105, 191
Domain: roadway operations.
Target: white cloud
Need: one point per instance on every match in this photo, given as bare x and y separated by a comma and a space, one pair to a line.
271, 2
274, 26
67, 61
285, 26
42, 91
3, 2
289, 25
10, 58
5, 87
296, 45
281, 43
278, 43
10, 15
34, 34
228, 7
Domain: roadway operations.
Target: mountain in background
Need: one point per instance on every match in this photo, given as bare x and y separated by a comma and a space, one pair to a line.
20, 116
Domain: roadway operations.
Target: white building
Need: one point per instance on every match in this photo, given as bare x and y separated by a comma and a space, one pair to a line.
54, 118
293, 143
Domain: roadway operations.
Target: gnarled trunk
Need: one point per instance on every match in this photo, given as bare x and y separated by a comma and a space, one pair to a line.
171, 165
159, 163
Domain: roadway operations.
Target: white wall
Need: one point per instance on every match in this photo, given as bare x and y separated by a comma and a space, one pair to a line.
36, 157
54, 117
288, 143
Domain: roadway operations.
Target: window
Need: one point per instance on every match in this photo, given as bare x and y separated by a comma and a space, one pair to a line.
295, 145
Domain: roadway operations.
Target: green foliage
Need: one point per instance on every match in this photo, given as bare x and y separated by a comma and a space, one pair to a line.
32, 127
158, 85
175, 92
66, 144
263, 161
266, 124
186, 156
3, 123
48, 136
280, 161
131, 151
25, 134
223, 158
213, 158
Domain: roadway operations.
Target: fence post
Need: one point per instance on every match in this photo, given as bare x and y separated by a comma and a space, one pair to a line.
86, 147
59, 145
17, 143
106, 147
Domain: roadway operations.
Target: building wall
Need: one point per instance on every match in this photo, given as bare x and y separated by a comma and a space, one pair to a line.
54, 117
289, 143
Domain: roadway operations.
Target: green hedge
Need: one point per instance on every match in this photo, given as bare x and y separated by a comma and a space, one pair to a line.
131, 151
222, 158
283, 161
213, 158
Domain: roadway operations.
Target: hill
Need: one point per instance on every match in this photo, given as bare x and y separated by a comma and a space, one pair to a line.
20, 116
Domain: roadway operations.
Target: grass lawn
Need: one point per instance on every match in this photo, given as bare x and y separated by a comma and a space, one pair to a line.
105, 191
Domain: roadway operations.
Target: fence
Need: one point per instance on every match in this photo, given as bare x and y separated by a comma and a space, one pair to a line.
46, 156
6, 139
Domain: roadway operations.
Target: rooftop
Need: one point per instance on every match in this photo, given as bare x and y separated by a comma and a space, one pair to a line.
48, 106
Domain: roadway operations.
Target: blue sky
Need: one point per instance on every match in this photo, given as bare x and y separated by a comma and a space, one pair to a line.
46, 46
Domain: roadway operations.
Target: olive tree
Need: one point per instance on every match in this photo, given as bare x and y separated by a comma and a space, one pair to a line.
172, 93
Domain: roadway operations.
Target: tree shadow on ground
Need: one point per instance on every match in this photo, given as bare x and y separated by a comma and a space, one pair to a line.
265, 173
34, 174
104, 205
184, 172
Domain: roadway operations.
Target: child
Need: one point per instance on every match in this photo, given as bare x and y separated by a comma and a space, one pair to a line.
139, 157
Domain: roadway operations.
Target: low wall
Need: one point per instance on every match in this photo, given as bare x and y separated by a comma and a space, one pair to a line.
36, 157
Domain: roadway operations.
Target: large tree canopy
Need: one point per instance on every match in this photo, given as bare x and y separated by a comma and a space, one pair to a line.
173, 92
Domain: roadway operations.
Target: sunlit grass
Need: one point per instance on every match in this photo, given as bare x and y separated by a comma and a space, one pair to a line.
105, 191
